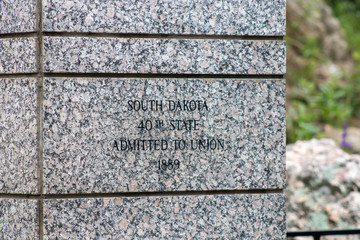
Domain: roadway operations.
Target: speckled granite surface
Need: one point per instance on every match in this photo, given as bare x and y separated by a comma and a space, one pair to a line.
176, 217
18, 55
17, 16
162, 135
18, 136
237, 141
18, 219
224, 17
123, 55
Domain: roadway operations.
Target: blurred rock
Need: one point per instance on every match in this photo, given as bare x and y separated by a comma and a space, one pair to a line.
323, 186
314, 19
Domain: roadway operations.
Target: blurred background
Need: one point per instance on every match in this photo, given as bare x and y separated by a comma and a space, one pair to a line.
323, 115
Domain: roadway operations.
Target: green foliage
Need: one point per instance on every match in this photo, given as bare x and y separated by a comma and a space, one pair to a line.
332, 101
355, 85
311, 49
300, 123
348, 13
312, 103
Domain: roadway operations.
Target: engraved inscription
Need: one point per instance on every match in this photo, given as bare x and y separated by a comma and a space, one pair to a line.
112, 135
169, 105
176, 124
162, 145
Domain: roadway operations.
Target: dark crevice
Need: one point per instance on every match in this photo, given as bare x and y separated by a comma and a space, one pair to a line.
18, 35
150, 75
169, 36
142, 194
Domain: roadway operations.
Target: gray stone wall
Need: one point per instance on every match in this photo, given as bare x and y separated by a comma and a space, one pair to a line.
142, 119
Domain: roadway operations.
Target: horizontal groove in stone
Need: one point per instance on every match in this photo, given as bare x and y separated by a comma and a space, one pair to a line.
140, 194
19, 196
126, 75
18, 35
174, 193
120, 35
160, 36
18, 55
163, 56
129, 75
166, 193
167, 217
124, 35
19, 75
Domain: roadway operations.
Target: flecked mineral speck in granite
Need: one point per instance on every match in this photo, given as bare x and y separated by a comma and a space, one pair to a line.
17, 16
84, 117
213, 17
172, 56
167, 217
18, 219
18, 136
18, 55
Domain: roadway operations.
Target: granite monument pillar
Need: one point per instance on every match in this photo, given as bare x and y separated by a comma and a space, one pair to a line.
142, 119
